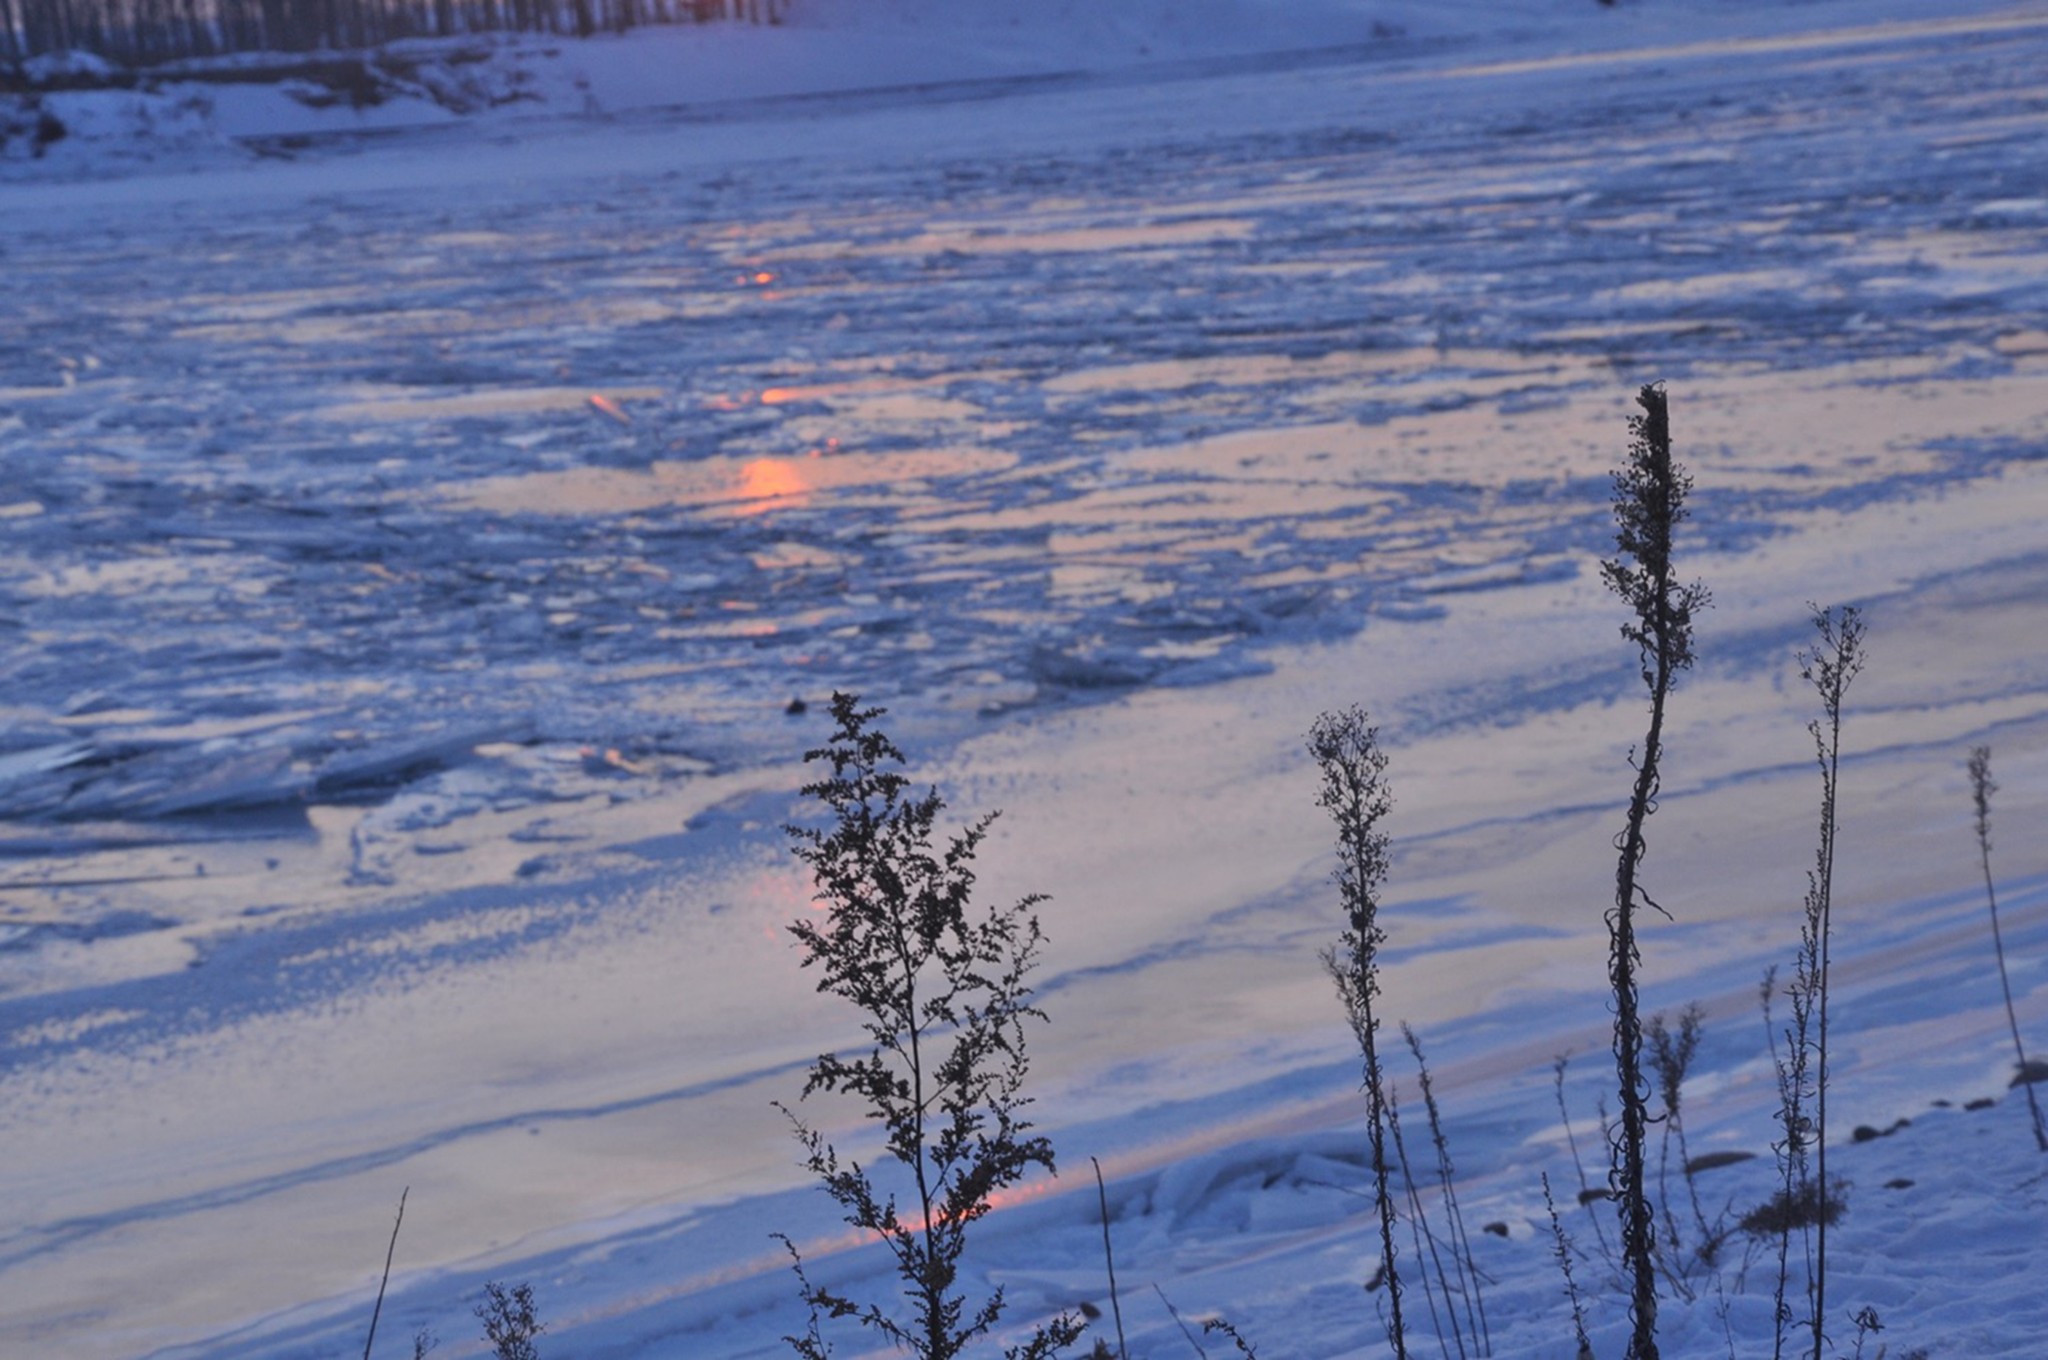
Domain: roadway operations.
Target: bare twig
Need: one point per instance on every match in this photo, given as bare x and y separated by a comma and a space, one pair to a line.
1116, 1309
1463, 1264
1981, 789
389, 1251
1424, 1239
1564, 1113
1175, 1312
1564, 1263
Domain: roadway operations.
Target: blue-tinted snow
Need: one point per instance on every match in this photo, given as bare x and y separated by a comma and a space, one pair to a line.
412, 549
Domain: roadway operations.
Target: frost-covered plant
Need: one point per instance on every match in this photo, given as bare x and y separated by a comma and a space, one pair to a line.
1649, 503
1981, 789
1354, 792
942, 995
510, 1322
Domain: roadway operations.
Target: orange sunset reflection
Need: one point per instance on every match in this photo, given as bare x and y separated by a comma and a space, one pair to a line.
765, 481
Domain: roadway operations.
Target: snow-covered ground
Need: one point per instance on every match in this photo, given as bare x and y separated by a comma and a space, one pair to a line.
413, 542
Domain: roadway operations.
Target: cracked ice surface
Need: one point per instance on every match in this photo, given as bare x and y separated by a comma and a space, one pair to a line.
408, 558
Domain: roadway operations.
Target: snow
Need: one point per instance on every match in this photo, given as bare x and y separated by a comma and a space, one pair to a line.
419, 520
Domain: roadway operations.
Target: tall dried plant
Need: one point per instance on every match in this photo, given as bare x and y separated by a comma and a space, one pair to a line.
1981, 789
943, 999
1828, 667
1354, 792
1649, 503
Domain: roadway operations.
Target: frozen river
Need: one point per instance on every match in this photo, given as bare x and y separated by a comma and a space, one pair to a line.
411, 554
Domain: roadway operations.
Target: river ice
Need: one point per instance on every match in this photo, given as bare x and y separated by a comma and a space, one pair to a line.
413, 550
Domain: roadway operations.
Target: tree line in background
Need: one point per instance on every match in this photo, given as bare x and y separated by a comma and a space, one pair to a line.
141, 32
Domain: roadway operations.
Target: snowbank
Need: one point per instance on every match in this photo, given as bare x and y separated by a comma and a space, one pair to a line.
200, 112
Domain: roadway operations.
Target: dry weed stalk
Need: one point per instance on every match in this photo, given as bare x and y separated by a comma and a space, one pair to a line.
1828, 667
1355, 794
1649, 503
1465, 1279
1981, 789
389, 1251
